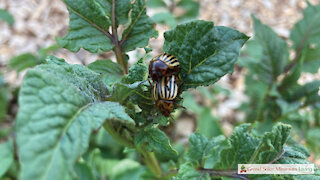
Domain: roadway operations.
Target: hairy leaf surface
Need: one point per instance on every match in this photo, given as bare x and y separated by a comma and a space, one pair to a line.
60, 105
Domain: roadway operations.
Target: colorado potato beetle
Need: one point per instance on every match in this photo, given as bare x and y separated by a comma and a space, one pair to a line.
163, 65
165, 93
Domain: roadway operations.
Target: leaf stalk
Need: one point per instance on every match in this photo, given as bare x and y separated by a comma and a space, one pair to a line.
118, 50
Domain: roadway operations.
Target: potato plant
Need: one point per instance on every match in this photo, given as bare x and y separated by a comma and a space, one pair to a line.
100, 121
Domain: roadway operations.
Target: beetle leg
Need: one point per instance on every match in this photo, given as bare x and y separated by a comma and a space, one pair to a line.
180, 106
149, 82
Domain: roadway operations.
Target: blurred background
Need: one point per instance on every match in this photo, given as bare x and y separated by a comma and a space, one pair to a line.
30, 35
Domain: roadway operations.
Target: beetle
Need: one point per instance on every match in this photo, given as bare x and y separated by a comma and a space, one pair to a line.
163, 65
165, 93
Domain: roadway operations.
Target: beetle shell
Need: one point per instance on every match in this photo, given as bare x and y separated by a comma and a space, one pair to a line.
163, 65
165, 93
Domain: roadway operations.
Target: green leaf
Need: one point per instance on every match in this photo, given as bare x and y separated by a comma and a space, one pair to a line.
122, 11
311, 57
165, 18
205, 53
88, 27
111, 72
197, 145
137, 72
140, 29
4, 97
307, 30
23, 61
6, 156
252, 52
59, 107
212, 152
156, 139
275, 52
6, 16
291, 79
44, 52
241, 148
191, 9
122, 91
90, 11
127, 169
313, 139
208, 125
287, 107
102, 167
305, 90
190, 103
187, 171
83, 171
156, 3
272, 144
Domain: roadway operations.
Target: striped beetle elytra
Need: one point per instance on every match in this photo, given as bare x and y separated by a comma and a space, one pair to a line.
163, 65
165, 93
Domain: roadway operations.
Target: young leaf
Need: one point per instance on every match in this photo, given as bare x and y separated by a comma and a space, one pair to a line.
156, 139
137, 72
122, 91
6, 156
212, 152
111, 72
271, 144
23, 61
197, 145
60, 105
275, 52
83, 171
206, 53
140, 29
6, 16
307, 30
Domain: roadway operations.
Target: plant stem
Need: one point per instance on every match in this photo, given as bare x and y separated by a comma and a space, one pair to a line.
149, 157
116, 136
118, 49
151, 161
